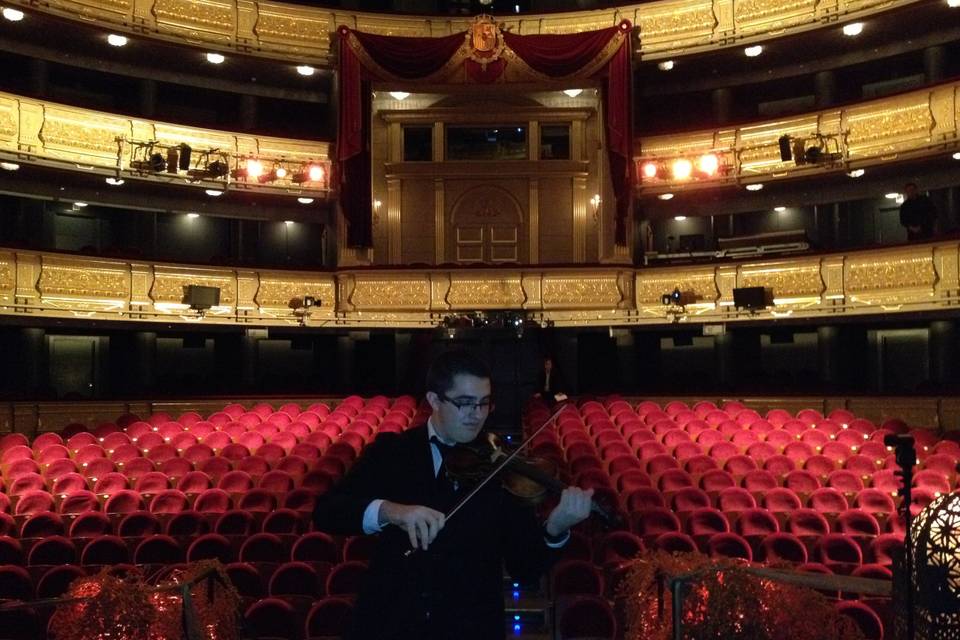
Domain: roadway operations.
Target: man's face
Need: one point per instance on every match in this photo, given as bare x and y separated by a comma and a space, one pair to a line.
910, 190
548, 365
461, 425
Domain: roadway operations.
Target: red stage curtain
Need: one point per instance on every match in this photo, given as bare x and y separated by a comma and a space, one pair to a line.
365, 57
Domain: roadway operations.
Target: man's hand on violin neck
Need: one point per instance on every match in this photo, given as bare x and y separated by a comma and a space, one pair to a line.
574, 507
421, 523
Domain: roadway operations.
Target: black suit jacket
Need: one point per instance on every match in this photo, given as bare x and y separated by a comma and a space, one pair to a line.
454, 589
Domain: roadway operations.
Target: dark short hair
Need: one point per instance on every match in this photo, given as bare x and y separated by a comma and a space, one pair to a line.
910, 184
449, 365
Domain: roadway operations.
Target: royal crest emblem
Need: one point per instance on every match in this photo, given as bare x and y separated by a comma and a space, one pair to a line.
486, 40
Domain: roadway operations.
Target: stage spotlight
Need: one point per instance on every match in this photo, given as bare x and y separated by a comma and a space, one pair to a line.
254, 168
666, 65
116, 40
267, 176
305, 70
786, 154
682, 168
757, 186
215, 58
311, 173
157, 162
649, 170
956, 156
173, 158
185, 152
281, 173
708, 164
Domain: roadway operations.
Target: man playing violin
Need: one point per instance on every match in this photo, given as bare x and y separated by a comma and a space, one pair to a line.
451, 586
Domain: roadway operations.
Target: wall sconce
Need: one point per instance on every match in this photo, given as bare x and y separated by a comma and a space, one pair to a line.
376, 211
595, 206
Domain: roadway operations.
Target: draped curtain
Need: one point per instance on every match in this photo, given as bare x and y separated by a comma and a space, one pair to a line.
602, 56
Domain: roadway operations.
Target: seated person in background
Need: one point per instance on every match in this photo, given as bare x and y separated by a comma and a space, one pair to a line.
550, 385
451, 585
917, 213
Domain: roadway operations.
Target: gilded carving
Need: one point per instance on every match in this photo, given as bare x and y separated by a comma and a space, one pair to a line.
494, 291
573, 291
188, 14
8, 119
278, 292
86, 133
888, 127
386, 293
774, 13
651, 286
287, 28
676, 22
79, 280
786, 280
8, 278
168, 287
877, 274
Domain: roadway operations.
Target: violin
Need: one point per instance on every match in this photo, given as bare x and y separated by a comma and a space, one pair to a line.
528, 478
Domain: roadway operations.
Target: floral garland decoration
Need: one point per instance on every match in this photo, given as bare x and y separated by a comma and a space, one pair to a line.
725, 602
126, 608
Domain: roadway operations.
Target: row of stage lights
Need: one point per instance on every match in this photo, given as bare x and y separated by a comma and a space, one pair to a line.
213, 164
705, 166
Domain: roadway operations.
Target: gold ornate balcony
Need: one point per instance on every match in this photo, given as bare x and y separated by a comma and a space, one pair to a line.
57, 135
879, 281
666, 28
911, 125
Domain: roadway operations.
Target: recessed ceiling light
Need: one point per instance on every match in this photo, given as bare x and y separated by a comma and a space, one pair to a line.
892, 196
213, 192
399, 95
117, 40
215, 58
665, 196
114, 182
779, 209
754, 51
956, 156
305, 70
80, 205
755, 186
193, 216
856, 173
679, 218
305, 200
288, 222
13, 15
666, 65
573, 93
9, 166
853, 29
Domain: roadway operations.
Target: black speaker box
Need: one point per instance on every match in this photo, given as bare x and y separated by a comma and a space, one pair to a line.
750, 298
199, 297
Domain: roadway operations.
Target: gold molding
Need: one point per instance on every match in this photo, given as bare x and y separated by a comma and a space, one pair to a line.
53, 134
664, 28
907, 279
910, 125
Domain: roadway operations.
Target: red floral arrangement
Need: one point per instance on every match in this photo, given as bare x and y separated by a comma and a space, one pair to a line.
725, 601
126, 608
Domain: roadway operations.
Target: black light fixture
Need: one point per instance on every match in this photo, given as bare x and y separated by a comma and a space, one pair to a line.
185, 152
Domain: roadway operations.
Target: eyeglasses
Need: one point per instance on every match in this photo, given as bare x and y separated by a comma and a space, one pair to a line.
465, 406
